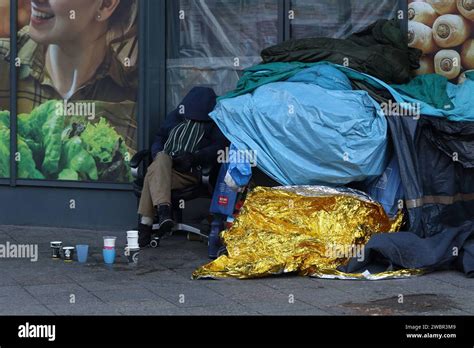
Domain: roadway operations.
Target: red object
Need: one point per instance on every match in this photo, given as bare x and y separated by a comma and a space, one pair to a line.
223, 200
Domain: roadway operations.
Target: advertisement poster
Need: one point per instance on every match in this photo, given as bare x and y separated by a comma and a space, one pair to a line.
77, 90
4, 90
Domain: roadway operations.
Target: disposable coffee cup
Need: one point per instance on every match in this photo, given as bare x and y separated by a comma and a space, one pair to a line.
109, 242
132, 254
68, 254
132, 239
56, 250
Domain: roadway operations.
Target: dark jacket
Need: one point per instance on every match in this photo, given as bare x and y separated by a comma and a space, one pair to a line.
196, 106
381, 50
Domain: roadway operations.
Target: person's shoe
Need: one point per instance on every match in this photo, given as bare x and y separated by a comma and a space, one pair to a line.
144, 235
165, 219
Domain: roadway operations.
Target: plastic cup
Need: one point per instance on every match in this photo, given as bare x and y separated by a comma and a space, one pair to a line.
109, 242
132, 254
109, 256
132, 239
82, 253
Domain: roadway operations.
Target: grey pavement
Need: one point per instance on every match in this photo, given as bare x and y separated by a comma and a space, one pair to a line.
161, 285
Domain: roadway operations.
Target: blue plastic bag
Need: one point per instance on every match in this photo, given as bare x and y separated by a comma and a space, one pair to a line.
224, 198
240, 168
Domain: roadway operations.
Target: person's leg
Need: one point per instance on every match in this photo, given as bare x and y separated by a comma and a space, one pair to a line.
180, 180
156, 191
160, 179
145, 208
161, 195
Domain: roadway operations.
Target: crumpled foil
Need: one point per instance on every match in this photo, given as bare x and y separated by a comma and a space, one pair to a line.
311, 230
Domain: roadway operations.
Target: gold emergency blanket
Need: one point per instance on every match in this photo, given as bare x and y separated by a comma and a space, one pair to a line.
311, 230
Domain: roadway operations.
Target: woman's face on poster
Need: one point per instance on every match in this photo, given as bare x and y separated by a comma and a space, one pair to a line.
56, 21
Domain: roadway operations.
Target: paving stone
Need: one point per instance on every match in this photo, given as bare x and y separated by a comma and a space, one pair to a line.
107, 285
191, 296
39, 278
281, 307
246, 291
148, 308
27, 310
323, 298
456, 279
122, 295
286, 282
226, 310
16, 296
63, 294
44, 289
9, 290
369, 290
87, 309
7, 280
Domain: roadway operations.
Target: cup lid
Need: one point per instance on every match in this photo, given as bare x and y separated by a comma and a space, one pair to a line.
69, 248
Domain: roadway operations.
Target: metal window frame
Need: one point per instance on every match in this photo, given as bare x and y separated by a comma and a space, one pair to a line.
13, 91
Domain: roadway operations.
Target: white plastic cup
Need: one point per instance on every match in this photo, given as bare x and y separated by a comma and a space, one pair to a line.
132, 239
109, 242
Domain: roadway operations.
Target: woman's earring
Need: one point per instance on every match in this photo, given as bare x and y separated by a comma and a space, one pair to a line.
99, 17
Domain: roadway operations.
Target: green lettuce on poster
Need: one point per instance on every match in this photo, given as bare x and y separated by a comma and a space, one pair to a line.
4, 144
76, 150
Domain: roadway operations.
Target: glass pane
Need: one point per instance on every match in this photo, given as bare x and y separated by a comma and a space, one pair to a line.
337, 18
365, 12
211, 41
77, 91
4, 89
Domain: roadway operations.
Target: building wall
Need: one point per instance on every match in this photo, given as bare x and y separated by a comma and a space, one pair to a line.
63, 207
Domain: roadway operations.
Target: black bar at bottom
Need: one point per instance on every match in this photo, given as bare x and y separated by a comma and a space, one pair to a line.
455, 331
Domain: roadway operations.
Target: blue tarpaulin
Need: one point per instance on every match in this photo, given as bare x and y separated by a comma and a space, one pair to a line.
306, 134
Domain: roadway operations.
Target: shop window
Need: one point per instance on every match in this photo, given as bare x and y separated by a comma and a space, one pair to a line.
4, 89
210, 42
77, 92
337, 18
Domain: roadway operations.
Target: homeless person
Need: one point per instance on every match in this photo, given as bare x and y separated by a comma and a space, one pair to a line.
187, 139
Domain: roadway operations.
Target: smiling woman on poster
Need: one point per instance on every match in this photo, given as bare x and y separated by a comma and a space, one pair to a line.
81, 53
